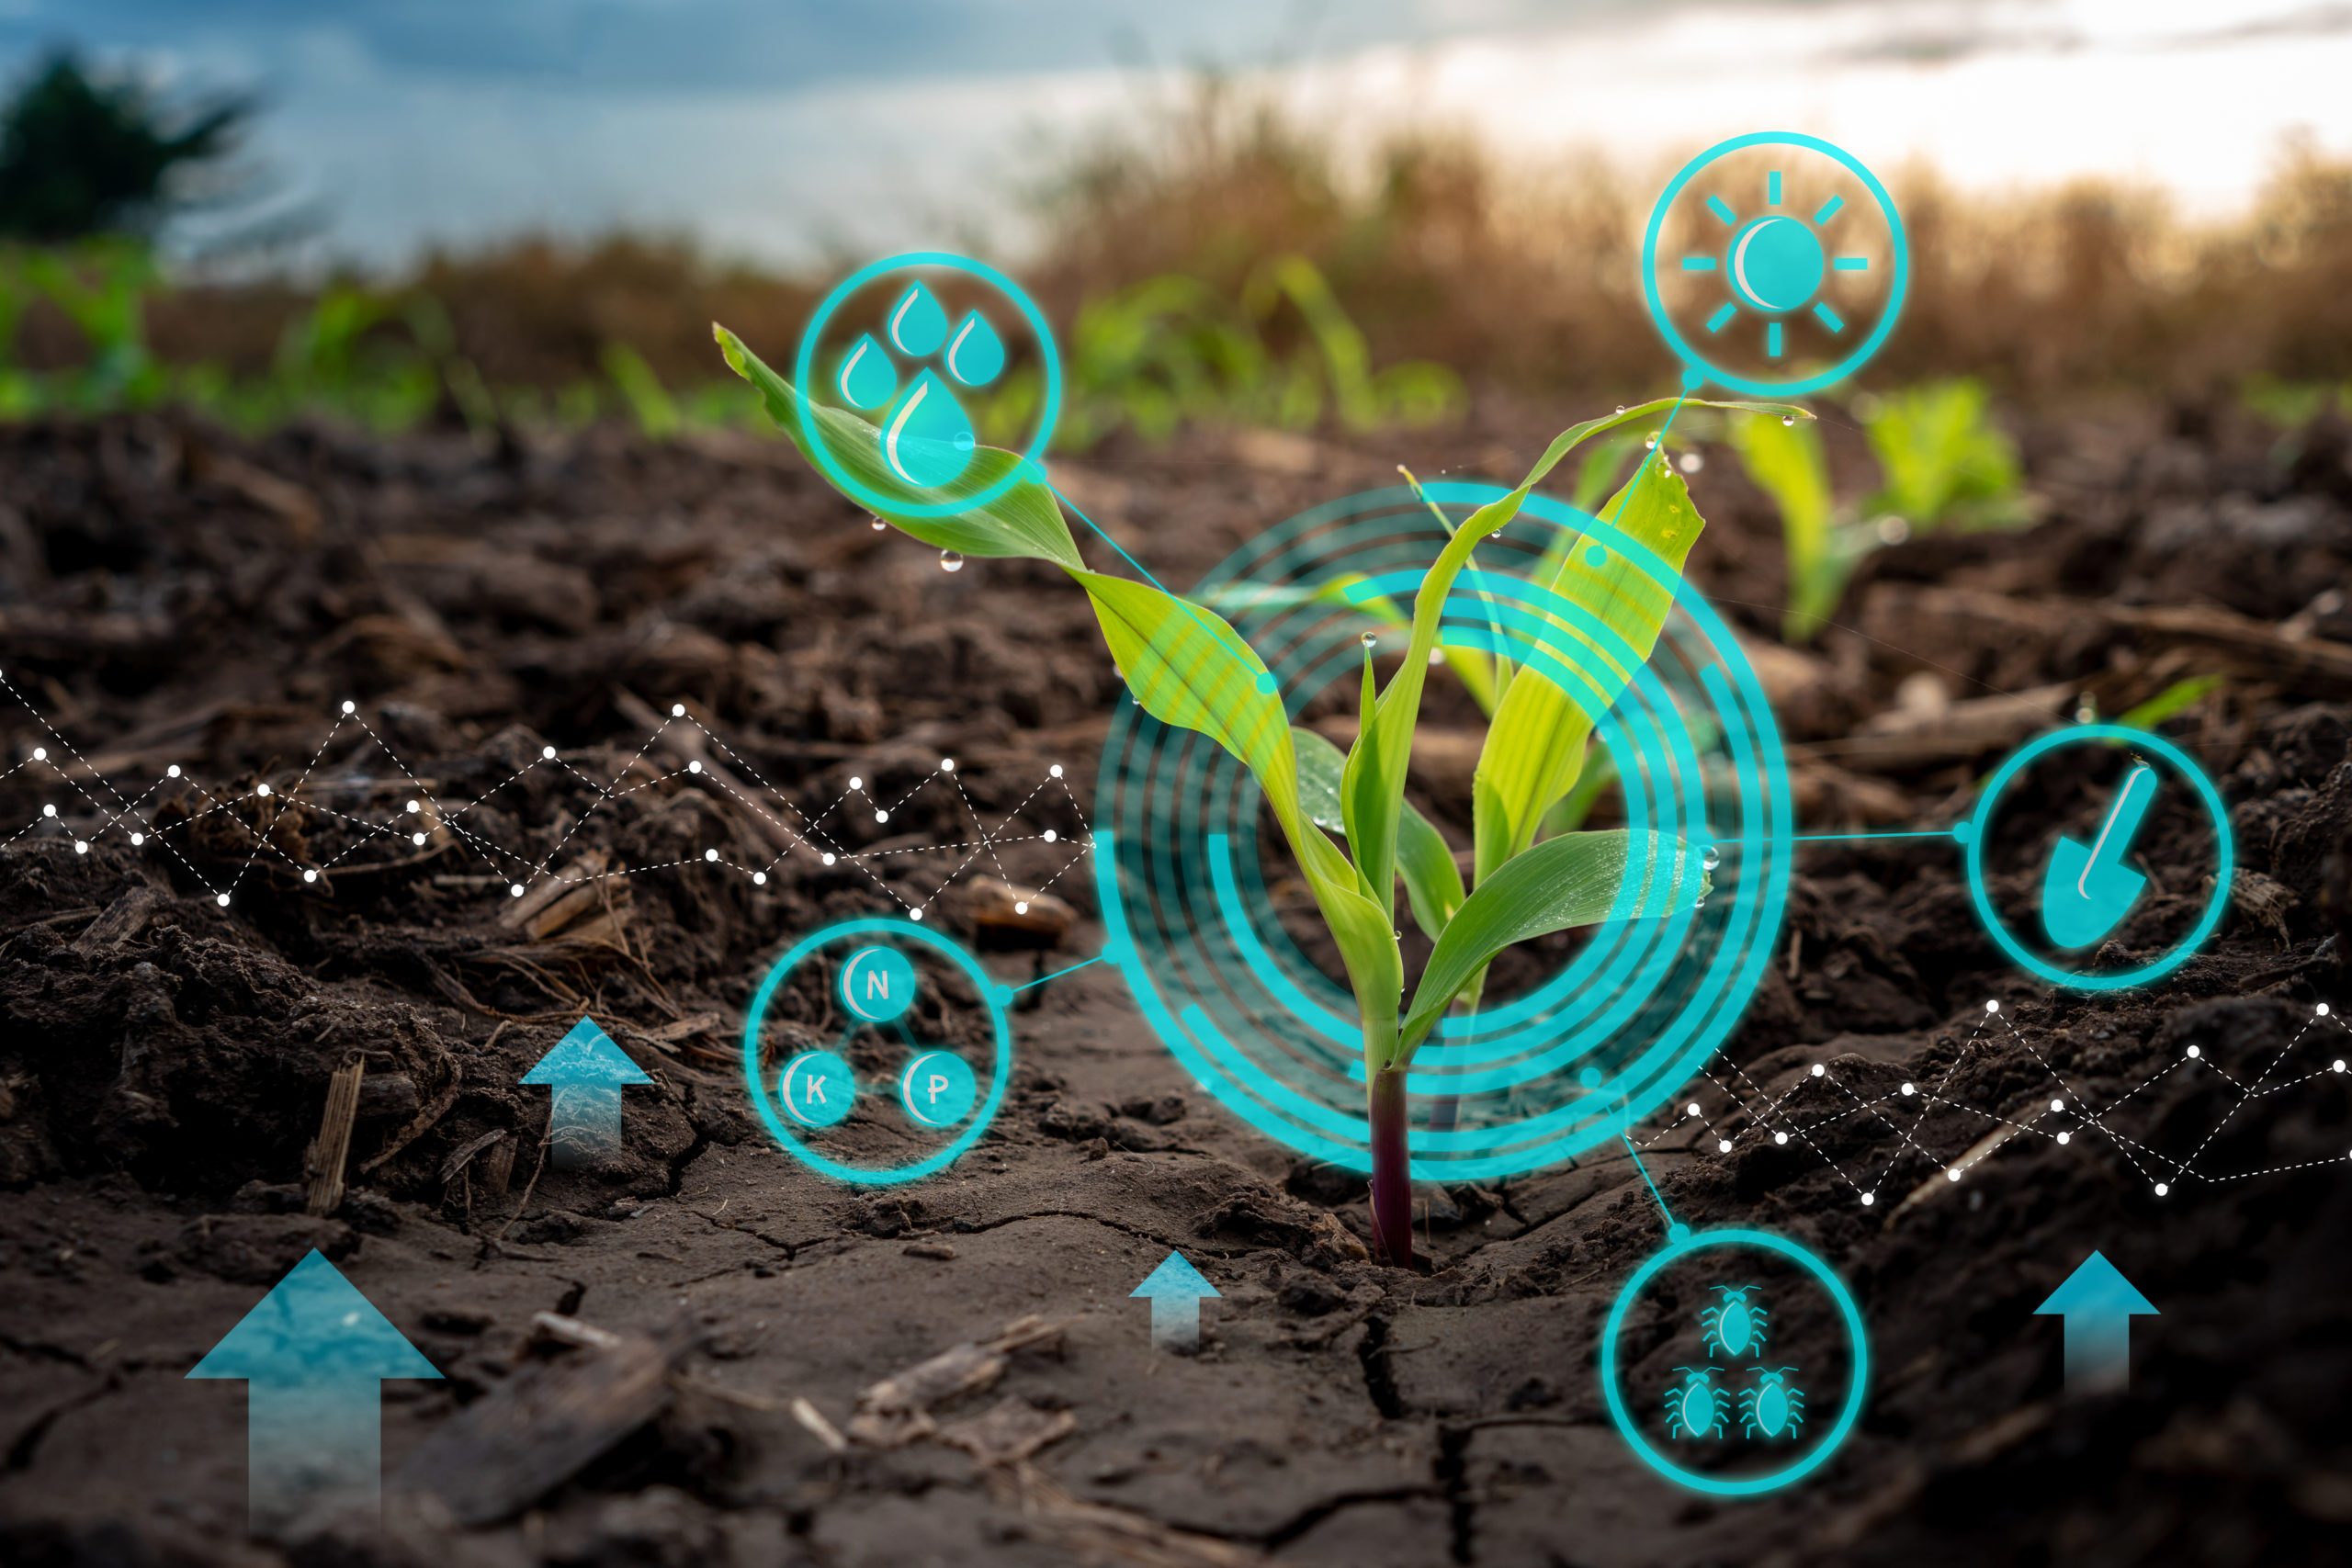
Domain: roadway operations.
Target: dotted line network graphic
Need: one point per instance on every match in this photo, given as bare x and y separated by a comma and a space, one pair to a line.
1821, 1100
423, 816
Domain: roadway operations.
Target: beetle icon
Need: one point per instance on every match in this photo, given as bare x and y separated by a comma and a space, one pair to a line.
1698, 1408
1737, 1327
1772, 1408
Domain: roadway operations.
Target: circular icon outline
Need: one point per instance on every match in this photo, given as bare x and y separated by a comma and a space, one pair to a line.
882, 956
809, 1058
804, 362
2225, 858
992, 998
1698, 365
1857, 1385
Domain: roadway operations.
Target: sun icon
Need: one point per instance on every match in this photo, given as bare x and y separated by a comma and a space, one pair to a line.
1821, 266
1774, 265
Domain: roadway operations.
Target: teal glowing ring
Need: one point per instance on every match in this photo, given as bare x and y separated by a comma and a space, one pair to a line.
1700, 369
1815, 1457
2226, 856
992, 996
804, 364
1206, 980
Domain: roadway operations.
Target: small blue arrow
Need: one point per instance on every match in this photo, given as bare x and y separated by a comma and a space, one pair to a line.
311, 1353
2098, 1304
1175, 1290
585, 1071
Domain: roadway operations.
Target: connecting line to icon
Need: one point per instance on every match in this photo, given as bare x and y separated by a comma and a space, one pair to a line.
427, 823
1782, 1118
1675, 1229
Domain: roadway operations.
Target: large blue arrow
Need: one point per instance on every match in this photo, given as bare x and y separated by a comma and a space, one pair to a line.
312, 1352
2098, 1304
1175, 1289
586, 1071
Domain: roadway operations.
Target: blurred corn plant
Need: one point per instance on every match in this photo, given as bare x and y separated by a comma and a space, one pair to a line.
1170, 351
1187, 666
1943, 465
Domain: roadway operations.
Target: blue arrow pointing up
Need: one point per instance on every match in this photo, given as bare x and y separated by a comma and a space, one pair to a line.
585, 1071
2098, 1304
311, 1353
1175, 1290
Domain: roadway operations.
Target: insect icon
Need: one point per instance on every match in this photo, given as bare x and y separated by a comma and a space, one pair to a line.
1698, 1408
1772, 1408
1737, 1327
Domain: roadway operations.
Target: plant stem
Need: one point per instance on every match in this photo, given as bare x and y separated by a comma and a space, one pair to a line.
1392, 1183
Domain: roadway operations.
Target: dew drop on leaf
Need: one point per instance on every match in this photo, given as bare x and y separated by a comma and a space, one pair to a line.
950, 561
1788, 420
1370, 639
1711, 858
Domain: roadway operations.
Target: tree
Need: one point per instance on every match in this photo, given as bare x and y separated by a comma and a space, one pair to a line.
85, 155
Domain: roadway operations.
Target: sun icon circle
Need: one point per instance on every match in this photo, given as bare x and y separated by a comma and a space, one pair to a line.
1784, 301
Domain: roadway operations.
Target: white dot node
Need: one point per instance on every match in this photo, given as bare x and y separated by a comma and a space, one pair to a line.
829, 857
137, 840
48, 811
693, 767
2065, 1137
1723, 1145
2162, 1189
262, 789
416, 839
1780, 1137
1910, 1088
80, 847
1051, 835
221, 900
1952, 1176
677, 710
2057, 1105
2323, 1009
1993, 1006
1818, 1069
515, 891
351, 707
1691, 1109
173, 772
710, 855
40, 753
758, 879
2339, 1061
2197, 1050
881, 816
546, 753
914, 914
414, 807
856, 782
1056, 770
1868, 1198
309, 875
947, 764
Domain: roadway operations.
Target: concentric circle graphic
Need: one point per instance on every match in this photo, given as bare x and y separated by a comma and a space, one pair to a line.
1629, 1013
813, 440
1774, 264
786, 1124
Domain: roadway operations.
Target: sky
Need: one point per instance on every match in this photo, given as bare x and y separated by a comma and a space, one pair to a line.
783, 131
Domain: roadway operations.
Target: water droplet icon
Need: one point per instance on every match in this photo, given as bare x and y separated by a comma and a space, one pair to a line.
975, 354
926, 439
866, 378
917, 324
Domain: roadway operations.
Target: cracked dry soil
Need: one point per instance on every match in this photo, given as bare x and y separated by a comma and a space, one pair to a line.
174, 596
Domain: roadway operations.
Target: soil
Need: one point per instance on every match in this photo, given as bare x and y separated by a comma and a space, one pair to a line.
173, 596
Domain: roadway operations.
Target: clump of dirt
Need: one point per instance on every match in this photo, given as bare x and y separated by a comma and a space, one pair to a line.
596, 665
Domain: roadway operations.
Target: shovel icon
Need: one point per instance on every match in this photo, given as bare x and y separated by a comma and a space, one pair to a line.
2087, 892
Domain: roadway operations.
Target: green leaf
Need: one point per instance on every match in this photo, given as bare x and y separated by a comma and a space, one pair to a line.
1432, 882
1944, 460
1787, 465
1572, 880
1535, 747
1188, 668
1024, 521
